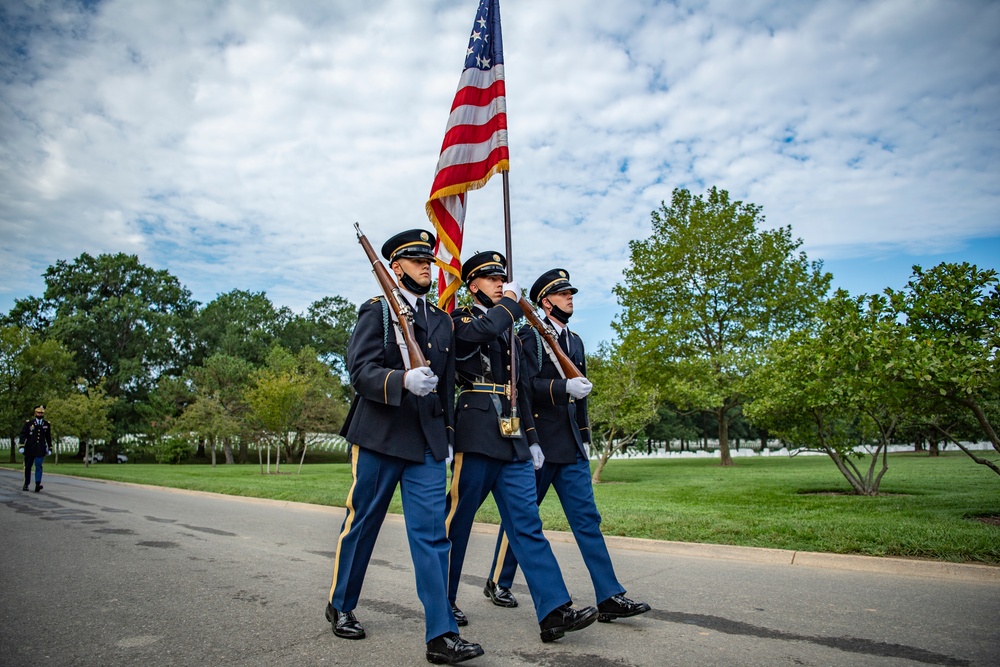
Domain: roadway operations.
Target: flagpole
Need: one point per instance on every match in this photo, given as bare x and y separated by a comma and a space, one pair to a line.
514, 367
506, 227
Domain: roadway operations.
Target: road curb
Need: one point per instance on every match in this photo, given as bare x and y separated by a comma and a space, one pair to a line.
988, 574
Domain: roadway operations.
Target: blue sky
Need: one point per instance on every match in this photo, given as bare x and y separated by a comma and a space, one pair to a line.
235, 143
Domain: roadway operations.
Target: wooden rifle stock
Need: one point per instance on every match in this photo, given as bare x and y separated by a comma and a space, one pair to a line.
569, 369
396, 300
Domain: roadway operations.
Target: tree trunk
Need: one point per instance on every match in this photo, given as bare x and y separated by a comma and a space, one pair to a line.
722, 416
81, 448
277, 454
918, 444
984, 422
227, 449
212, 439
303, 459
244, 454
601, 462
932, 447
200, 454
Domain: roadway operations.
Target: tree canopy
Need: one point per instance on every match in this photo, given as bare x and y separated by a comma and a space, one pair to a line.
952, 317
32, 371
125, 323
163, 362
705, 293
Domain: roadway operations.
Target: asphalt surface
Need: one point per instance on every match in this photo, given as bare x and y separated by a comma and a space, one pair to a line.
95, 573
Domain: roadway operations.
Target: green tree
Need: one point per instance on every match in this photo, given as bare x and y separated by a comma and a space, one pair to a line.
835, 388
672, 424
706, 293
85, 414
295, 395
161, 409
225, 380
276, 399
126, 324
952, 314
208, 418
326, 327
32, 371
621, 404
238, 324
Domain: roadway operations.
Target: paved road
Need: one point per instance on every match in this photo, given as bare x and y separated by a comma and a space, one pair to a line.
96, 574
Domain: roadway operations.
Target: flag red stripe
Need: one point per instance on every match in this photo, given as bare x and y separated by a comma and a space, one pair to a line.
469, 172
474, 134
478, 97
448, 224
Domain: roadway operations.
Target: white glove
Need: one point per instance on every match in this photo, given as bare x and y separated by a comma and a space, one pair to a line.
20, 450
450, 457
537, 458
420, 381
513, 287
578, 387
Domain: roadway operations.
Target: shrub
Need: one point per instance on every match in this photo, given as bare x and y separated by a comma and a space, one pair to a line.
173, 449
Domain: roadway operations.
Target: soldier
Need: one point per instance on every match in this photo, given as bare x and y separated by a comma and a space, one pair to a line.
560, 412
36, 439
400, 430
495, 455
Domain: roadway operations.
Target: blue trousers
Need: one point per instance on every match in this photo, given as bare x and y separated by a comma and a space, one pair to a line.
576, 494
422, 486
37, 461
512, 484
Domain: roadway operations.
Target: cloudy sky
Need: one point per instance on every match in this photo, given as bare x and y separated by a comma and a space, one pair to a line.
235, 143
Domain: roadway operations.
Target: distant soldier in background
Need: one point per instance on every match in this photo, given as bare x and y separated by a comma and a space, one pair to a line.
36, 444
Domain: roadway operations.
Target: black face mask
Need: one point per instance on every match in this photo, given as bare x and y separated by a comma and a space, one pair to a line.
483, 299
413, 286
560, 314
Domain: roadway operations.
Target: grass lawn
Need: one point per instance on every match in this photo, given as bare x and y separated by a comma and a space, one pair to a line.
927, 509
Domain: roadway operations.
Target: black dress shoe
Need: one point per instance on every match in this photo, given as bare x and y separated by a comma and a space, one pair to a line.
459, 615
26, 487
38, 487
344, 623
565, 619
619, 606
449, 648
501, 597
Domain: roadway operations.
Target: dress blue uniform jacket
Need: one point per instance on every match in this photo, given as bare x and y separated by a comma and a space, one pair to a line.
383, 409
399, 440
562, 422
36, 438
481, 335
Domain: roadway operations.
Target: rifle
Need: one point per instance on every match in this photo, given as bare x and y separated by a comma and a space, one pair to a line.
398, 303
569, 369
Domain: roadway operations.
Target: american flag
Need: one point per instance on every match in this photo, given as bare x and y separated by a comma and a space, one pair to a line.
474, 148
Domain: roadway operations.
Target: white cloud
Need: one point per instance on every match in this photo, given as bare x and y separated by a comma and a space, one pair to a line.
235, 143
